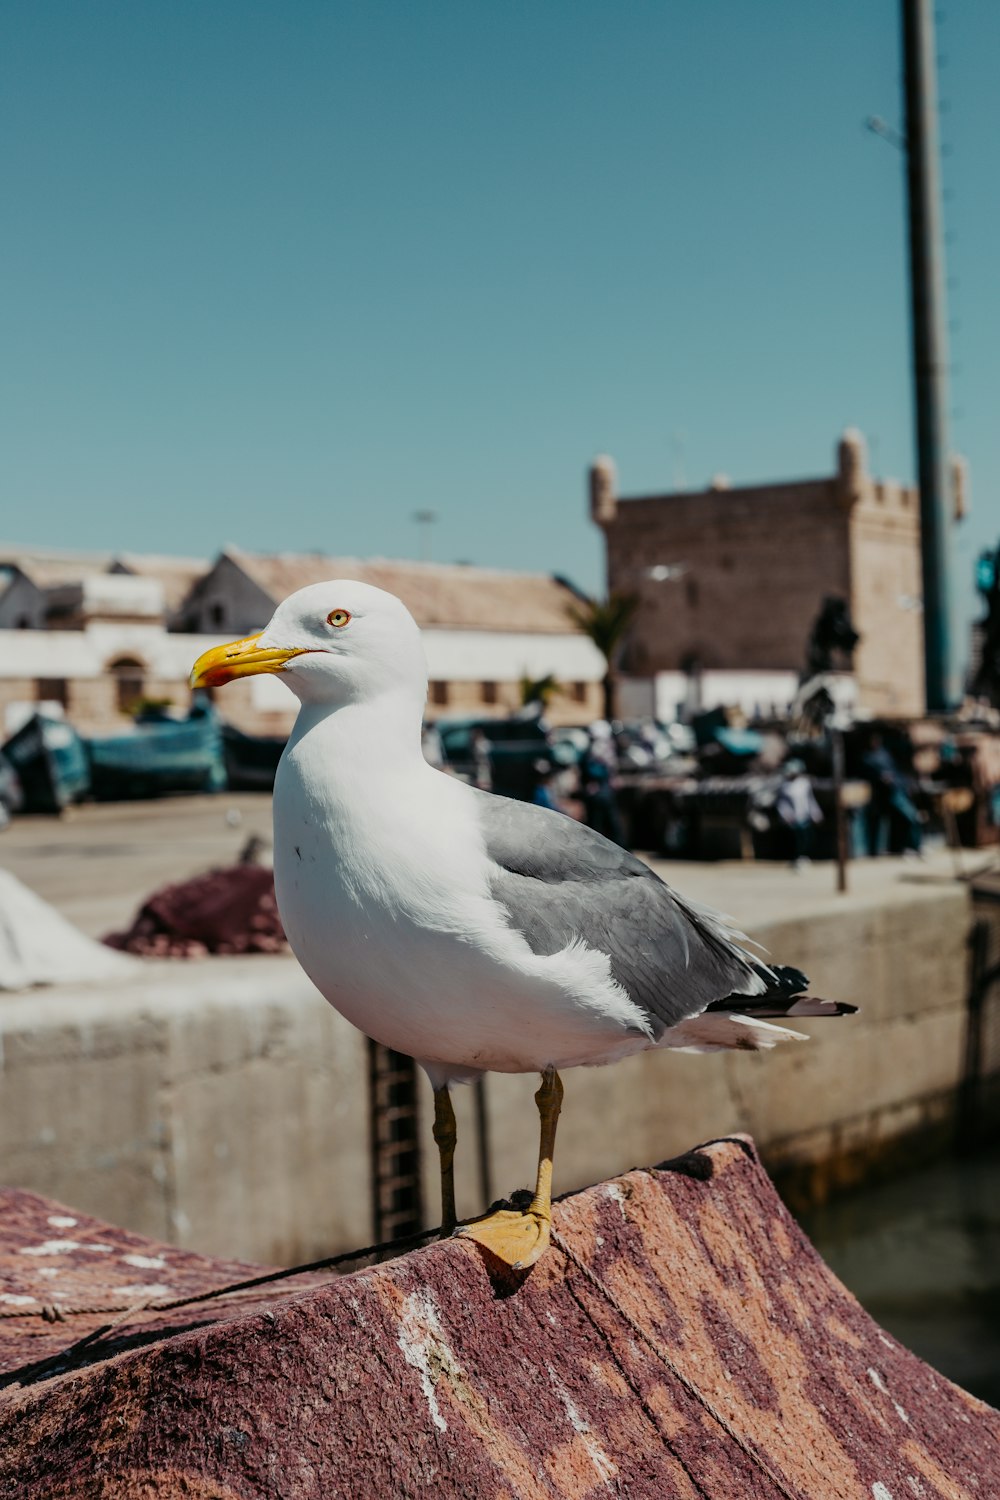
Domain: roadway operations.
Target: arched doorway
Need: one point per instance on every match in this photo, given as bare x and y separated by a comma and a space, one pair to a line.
130, 677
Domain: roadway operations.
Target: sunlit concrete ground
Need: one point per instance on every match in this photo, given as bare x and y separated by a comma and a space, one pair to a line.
98, 862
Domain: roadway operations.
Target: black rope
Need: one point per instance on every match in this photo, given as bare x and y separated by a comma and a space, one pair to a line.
55, 1313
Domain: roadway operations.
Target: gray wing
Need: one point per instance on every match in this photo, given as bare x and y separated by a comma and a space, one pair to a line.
560, 881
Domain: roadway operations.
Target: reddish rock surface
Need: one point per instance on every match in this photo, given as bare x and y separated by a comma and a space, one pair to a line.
681, 1339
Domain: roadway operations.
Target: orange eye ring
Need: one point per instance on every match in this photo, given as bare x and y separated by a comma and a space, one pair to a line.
338, 618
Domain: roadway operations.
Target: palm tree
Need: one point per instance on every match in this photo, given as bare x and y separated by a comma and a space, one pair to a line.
539, 689
607, 622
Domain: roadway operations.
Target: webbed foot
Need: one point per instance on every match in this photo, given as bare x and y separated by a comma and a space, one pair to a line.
517, 1239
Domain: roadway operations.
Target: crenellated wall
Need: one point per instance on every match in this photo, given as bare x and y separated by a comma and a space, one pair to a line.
734, 578
886, 590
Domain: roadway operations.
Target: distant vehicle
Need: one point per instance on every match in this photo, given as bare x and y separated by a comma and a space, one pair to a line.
514, 746
251, 759
681, 737
569, 743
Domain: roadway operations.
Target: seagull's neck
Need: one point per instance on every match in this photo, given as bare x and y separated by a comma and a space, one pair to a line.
380, 735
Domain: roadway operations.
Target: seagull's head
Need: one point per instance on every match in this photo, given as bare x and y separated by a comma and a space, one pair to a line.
336, 642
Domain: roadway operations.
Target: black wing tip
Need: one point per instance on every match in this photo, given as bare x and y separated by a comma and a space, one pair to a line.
779, 1003
787, 986
788, 978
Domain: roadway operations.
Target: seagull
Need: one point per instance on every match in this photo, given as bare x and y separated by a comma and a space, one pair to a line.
472, 932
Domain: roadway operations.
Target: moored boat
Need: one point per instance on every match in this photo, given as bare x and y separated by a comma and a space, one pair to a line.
160, 755
50, 761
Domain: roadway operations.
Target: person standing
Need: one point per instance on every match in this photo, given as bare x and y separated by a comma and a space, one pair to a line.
597, 767
890, 805
482, 763
798, 810
541, 792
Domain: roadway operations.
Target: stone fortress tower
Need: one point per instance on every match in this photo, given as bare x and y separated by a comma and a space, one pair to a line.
733, 577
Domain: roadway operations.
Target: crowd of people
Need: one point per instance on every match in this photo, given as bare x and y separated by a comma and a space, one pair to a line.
594, 773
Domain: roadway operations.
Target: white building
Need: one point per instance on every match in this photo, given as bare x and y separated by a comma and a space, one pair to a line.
91, 636
484, 629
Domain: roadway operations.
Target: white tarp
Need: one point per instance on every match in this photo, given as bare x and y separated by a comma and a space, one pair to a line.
38, 946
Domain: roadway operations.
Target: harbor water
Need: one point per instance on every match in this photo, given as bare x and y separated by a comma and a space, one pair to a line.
922, 1254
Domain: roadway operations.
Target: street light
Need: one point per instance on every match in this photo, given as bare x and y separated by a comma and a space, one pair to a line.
665, 572
425, 519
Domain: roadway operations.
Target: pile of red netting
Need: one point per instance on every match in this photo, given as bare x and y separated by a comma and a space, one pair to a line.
225, 911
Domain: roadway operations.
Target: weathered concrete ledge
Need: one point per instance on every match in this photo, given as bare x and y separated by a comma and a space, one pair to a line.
221, 1104
682, 1339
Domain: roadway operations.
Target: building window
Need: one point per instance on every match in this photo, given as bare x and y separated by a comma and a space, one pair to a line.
217, 614
439, 693
129, 676
51, 690
579, 692
489, 690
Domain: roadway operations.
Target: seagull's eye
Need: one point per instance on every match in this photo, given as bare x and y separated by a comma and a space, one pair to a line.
338, 617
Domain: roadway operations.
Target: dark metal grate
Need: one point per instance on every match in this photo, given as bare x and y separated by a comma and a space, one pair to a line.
979, 1101
397, 1199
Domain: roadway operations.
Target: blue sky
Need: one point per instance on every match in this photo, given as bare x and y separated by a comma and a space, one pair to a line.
283, 274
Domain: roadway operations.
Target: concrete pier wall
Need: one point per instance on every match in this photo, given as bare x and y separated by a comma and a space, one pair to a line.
221, 1105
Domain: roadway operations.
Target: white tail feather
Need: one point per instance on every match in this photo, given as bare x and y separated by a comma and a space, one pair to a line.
723, 1030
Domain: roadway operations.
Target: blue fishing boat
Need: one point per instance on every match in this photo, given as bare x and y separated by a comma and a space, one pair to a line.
50, 761
160, 755
251, 759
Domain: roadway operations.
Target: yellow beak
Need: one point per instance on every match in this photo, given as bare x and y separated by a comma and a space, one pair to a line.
239, 659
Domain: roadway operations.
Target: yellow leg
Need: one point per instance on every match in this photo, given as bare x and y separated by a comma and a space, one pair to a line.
445, 1135
515, 1238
